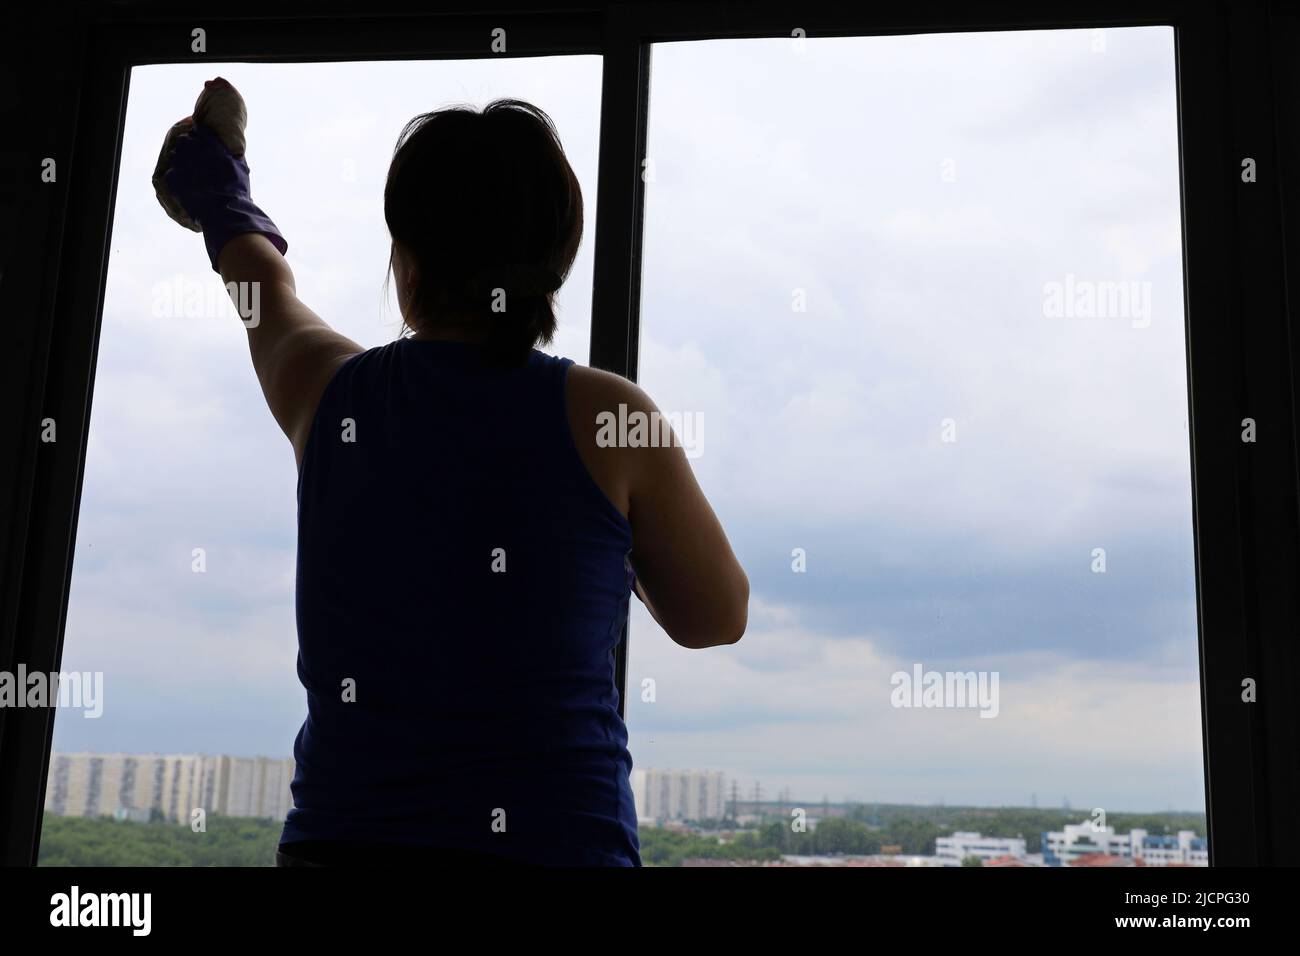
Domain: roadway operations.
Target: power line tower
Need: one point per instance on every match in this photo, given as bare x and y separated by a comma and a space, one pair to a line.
735, 799
758, 799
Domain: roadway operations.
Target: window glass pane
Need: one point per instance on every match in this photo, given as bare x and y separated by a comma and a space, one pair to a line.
187, 469
923, 296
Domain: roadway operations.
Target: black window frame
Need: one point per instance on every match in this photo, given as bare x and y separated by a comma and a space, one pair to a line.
1238, 96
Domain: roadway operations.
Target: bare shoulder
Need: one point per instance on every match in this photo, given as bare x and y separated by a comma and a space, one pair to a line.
592, 395
598, 390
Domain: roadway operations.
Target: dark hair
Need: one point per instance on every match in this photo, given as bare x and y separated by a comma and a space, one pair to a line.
490, 213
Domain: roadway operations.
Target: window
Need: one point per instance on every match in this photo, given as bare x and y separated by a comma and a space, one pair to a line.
183, 581
920, 298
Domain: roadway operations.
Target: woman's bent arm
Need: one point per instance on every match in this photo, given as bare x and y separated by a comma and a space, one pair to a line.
687, 575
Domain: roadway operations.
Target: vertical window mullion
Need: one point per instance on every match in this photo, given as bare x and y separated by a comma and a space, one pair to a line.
620, 195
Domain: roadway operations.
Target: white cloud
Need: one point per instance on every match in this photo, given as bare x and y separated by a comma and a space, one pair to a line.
790, 707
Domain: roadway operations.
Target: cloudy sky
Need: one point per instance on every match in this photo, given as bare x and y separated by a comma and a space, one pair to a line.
847, 248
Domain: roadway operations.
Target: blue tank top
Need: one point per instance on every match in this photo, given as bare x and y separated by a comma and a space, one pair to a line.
462, 584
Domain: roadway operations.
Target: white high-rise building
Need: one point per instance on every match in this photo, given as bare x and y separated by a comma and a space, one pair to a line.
679, 794
136, 786
249, 786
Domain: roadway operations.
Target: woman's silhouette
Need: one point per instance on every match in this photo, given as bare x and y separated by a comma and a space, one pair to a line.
467, 539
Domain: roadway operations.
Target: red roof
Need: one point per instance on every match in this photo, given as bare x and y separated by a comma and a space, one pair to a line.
1101, 859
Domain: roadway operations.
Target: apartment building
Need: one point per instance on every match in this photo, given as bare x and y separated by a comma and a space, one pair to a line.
662, 795
138, 786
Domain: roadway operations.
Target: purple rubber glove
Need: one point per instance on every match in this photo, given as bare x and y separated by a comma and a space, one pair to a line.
212, 185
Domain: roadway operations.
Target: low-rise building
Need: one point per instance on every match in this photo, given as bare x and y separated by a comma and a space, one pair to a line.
1069, 847
953, 850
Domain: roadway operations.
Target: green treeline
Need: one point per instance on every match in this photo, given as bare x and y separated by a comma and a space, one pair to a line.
868, 829
103, 841
915, 828
865, 829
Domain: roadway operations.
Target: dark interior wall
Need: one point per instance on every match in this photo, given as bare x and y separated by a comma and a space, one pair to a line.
41, 53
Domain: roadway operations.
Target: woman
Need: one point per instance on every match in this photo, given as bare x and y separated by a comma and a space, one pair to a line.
467, 541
